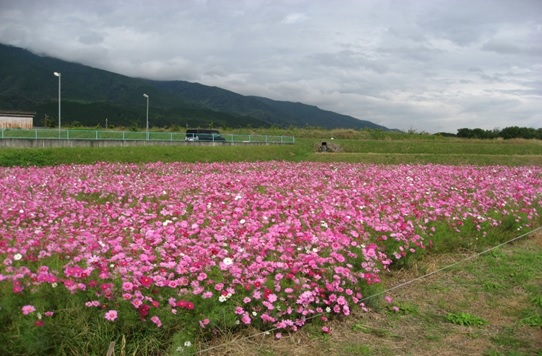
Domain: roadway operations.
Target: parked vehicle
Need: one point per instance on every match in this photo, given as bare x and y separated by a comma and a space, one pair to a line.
203, 135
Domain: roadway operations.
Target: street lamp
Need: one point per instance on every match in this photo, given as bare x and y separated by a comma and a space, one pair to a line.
57, 74
147, 130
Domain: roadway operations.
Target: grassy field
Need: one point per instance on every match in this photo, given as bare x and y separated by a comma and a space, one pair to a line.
352, 146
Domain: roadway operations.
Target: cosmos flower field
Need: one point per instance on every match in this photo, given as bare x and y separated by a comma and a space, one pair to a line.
270, 244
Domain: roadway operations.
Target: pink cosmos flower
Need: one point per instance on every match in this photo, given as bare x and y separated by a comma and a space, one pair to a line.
28, 309
388, 299
246, 319
137, 302
94, 303
111, 315
156, 320
265, 253
17, 287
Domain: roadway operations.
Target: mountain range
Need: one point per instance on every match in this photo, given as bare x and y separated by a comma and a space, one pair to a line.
89, 96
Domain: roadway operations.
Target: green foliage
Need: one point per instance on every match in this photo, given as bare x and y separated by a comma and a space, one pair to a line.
182, 344
533, 320
492, 286
506, 133
537, 301
370, 330
358, 348
372, 295
26, 157
465, 319
76, 329
406, 308
533, 313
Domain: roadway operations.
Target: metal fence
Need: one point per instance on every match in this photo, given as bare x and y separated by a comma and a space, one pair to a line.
101, 135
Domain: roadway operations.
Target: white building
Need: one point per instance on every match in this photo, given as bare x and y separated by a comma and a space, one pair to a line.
16, 120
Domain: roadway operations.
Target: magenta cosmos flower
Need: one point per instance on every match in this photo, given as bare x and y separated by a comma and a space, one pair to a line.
111, 315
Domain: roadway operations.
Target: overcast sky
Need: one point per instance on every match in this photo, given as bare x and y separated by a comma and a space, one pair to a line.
424, 65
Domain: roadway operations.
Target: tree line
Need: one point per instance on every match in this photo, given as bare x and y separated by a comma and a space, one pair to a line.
506, 133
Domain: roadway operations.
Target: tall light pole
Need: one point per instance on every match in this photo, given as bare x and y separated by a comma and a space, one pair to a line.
147, 130
57, 74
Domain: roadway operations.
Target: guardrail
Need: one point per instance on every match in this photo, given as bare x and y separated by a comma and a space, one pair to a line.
102, 135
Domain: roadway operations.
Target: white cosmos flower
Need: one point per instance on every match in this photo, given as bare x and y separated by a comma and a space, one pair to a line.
17, 256
228, 261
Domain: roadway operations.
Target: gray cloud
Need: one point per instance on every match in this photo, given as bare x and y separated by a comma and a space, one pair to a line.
431, 66
91, 38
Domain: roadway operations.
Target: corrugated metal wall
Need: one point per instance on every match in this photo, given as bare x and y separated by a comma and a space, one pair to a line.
14, 122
